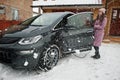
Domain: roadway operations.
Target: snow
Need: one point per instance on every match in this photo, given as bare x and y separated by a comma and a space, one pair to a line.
74, 68
66, 2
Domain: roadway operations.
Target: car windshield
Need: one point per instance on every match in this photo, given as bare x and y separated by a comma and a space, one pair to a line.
44, 19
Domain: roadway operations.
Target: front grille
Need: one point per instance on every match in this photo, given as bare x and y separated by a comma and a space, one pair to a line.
6, 55
8, 40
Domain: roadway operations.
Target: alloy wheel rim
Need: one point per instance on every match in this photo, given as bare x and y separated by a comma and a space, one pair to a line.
51, 57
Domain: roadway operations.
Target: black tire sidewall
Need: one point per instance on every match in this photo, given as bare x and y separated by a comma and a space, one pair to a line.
42, 64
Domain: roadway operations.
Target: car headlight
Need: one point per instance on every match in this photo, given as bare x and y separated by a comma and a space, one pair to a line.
30, 40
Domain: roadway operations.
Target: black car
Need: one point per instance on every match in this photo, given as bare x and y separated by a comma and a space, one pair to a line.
40, 41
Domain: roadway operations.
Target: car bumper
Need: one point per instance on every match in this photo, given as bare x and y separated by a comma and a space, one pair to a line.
26, 58
26, 61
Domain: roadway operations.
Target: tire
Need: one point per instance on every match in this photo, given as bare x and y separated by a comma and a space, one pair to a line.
49, 58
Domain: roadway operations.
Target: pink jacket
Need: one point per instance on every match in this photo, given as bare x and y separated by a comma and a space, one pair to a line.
99, 32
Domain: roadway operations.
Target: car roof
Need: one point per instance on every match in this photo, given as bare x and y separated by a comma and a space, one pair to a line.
60, 13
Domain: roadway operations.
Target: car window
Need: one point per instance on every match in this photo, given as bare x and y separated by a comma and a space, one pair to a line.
62, 22
43, 19
80, 20
46, 19
28, 21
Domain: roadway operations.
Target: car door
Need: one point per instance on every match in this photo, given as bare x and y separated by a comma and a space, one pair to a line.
79, 31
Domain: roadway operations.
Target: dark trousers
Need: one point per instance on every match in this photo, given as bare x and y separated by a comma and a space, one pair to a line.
96, 49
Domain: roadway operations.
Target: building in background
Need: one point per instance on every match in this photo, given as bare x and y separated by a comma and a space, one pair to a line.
15, 9
113, 15
65, 5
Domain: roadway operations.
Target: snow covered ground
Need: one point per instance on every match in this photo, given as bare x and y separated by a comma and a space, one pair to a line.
73, 68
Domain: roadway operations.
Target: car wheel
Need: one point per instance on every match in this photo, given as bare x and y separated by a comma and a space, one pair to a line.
49, 57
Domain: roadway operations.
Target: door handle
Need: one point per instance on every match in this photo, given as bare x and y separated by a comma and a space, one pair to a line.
89, 31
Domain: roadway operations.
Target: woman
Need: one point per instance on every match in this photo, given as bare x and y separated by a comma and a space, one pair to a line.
99, 25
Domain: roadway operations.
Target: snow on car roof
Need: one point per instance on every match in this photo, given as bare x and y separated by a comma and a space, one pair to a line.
66, 2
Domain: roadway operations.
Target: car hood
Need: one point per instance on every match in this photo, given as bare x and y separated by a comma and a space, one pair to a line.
24, 31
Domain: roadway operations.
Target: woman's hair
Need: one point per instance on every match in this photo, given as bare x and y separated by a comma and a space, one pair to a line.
101, 18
